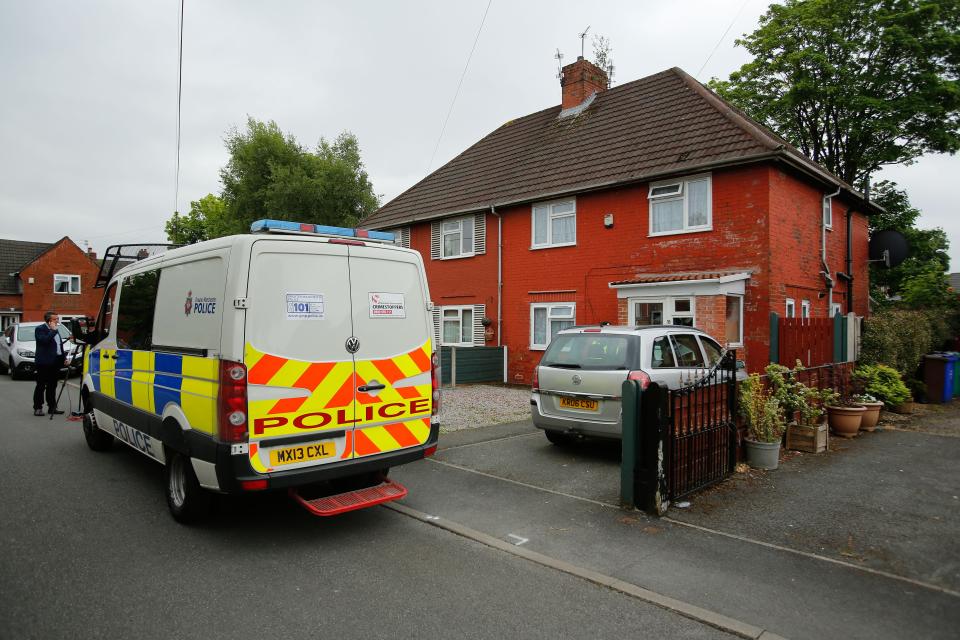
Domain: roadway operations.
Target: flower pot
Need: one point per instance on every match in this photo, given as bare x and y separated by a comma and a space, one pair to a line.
762, 455
904, 408
808, 438
871, 416
845, 421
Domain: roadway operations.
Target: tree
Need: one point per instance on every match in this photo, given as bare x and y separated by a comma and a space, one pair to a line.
855, 84
205, 214
269, 175
928, 247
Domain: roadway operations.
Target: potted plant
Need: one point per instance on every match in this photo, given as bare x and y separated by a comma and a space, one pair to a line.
809, 432
765, 423
844, 416
884, 384
872, 414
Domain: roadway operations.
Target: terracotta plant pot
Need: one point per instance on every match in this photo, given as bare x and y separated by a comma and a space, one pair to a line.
871, 416
845, 421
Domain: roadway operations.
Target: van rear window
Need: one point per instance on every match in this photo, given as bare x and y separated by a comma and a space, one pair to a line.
589, 351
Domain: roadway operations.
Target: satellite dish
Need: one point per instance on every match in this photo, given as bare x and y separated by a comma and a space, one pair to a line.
889, 247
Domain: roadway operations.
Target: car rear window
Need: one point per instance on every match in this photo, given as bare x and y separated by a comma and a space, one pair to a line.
589, 351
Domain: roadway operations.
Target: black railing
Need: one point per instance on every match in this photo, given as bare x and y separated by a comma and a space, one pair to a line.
702, 431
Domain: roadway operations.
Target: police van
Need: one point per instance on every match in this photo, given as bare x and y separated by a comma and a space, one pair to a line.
296, 356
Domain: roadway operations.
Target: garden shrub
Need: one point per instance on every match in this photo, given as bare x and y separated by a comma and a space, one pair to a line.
898, 338
882, 382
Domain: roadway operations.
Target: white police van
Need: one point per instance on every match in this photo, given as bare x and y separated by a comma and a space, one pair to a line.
294, 355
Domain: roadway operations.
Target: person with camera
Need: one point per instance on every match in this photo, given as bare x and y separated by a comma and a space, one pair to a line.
49, 359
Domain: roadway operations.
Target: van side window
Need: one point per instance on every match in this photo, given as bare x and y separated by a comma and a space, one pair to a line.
662, 355
688, 350
138, 300
106, 312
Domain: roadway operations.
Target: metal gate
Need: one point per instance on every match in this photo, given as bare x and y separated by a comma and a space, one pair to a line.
702, 432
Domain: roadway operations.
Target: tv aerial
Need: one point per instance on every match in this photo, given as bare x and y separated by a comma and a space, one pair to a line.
583, 37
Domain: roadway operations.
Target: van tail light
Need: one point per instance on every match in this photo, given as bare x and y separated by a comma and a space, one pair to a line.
641, 377
232, 402
435, 382
536, 379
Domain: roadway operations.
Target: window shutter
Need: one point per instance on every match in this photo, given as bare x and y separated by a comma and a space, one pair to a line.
478, 331
436, 329
480, 233
405, 237
434, 240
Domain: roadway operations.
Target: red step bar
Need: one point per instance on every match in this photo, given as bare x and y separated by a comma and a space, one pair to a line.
351, 500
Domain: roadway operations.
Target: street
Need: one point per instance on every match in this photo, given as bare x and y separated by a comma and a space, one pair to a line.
501, 535
91, 552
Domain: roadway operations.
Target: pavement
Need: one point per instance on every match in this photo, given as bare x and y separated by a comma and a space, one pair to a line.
859, 542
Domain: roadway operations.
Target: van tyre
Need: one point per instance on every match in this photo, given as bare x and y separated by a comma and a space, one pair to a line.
187, 500
97, 439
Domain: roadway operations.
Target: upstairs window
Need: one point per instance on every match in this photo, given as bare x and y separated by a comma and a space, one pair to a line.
554, 224
680, 206
456, 237
63, 283
828, 213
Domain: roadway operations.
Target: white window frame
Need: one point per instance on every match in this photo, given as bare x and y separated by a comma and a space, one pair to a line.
69, 279
669, 309
461, 222
828, 213
805, 309
836, 309
549, 306
680, 194
739, 341
790, 308
459, 309
550, 218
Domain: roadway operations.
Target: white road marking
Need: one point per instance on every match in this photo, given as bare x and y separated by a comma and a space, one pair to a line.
519, 540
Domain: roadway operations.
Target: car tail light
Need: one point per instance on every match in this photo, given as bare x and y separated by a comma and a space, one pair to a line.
356, 243
536, 379
232, 405
641, 377
435, 382
595, 330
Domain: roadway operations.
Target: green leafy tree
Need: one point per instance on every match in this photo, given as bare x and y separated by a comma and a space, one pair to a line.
855, 84
270, 175
205, 214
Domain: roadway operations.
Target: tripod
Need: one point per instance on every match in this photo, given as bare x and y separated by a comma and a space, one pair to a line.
81, 347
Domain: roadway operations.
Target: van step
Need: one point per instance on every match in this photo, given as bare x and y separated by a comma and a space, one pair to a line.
352, 500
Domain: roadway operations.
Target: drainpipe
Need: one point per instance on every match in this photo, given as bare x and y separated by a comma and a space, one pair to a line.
493, 210
847, 276
823, 251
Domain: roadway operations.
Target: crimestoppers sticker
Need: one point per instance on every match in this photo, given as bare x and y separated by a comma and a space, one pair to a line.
304, 306
387, 305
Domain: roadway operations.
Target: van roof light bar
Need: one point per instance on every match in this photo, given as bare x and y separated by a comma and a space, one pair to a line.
307, 228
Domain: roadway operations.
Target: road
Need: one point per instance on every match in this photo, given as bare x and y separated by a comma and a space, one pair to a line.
91, 552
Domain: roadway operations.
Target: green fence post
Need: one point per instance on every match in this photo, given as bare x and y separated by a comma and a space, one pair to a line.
652, 492
774, 337
629, 428
838, 355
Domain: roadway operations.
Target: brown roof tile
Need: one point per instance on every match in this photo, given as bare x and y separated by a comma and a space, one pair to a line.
667, 123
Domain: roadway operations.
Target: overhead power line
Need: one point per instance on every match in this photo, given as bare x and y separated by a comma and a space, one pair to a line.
176, 183
459, 84
717, 46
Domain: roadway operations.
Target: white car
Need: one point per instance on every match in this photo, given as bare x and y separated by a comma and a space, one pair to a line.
18, 347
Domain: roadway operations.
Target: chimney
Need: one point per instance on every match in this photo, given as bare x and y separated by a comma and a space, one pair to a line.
580, 80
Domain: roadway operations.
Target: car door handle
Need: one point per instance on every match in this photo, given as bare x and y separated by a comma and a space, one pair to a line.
371, 387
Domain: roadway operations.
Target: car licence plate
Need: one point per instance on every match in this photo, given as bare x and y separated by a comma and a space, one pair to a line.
302, 453
584, 404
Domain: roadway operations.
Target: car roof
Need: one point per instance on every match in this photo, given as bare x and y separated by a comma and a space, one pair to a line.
625, 329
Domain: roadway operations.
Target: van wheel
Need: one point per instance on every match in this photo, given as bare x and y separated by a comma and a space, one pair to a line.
187, 500
97, 439
557, 437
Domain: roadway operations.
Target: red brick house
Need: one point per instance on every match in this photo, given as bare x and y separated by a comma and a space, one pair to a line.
37, 276
651, 202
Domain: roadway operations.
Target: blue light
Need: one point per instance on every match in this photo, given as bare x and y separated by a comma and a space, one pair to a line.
319, 229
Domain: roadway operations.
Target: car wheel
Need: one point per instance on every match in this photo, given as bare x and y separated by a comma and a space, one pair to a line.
97, 439
187, 500
557, 437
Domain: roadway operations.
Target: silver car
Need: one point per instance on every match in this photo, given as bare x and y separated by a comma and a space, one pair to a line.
18, 349
577, 385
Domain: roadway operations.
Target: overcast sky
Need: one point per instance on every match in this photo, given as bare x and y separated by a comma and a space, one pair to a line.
88, 116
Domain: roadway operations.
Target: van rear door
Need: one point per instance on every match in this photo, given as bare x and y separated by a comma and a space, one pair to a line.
392, 326
301, 390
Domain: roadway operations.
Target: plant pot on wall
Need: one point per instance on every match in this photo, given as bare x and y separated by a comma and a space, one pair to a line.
762, 455
845, 421
871, 416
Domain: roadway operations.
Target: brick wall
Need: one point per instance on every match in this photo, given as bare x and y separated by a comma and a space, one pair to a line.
64, 257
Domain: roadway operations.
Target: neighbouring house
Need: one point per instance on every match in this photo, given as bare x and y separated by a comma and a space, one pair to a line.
38, 276
654, 202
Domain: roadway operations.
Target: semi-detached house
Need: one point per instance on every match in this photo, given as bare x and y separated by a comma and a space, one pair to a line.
654, 202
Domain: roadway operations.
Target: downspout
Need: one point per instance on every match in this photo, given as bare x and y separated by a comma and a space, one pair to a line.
493, 210
847, 276
823, 250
